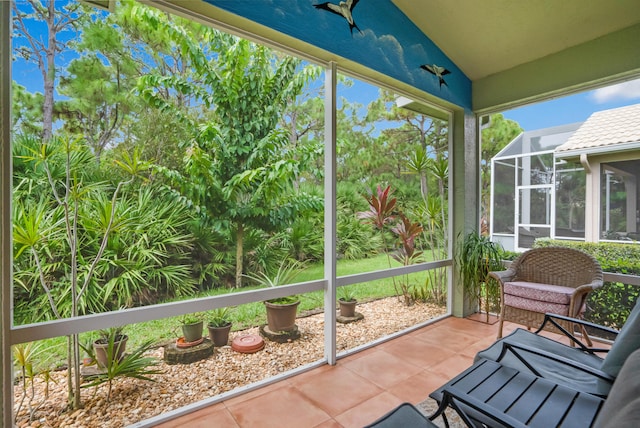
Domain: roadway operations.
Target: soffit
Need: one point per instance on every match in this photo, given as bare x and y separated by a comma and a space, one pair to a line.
490, 36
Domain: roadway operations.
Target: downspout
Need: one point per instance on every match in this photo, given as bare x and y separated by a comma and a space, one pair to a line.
585, 163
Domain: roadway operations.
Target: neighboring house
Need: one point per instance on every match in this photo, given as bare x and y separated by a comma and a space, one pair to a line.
577, 181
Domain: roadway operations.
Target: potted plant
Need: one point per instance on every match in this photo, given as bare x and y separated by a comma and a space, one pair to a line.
476, 257
110, 346
348, 302
219, 326
191, 328
281, 312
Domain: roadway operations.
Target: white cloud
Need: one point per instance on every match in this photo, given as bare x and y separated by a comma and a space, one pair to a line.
622, 91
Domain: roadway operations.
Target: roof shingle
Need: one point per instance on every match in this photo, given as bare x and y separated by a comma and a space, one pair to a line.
606, 128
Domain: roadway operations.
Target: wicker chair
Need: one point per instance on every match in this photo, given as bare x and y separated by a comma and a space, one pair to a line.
546, 280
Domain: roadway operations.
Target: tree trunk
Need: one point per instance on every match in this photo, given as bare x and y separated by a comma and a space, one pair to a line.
239, 253
49, 75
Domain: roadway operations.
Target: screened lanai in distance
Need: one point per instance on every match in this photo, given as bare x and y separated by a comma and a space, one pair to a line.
450, 61
573, 182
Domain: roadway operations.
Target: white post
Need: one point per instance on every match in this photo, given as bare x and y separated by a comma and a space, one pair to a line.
6, 417
330, 213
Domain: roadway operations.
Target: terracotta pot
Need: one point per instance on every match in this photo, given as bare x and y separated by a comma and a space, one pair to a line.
192, 332
348, 308
281, 317
101, 348
219, 335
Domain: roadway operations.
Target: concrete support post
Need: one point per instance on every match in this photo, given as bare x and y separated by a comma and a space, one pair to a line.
466, 195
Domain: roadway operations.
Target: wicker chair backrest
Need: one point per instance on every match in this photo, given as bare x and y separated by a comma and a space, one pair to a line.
557, 266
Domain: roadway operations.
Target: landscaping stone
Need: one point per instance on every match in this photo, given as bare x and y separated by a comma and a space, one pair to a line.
178, 355
346, 320
280, 336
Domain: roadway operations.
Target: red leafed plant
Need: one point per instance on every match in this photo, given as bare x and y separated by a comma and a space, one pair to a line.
406, 253
381, 213
380, 208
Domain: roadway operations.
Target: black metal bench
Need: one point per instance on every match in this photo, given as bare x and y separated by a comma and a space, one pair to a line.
497, 395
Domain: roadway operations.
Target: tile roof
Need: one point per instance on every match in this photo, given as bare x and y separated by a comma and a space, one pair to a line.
609, 130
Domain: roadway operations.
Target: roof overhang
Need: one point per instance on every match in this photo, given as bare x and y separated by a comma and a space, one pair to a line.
599, 151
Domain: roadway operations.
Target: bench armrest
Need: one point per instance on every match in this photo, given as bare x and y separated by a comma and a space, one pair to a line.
552, 318
462, 403
516, 349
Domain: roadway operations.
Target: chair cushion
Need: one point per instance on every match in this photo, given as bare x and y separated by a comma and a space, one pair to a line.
535, 305
622, 406
537, 291
627, 341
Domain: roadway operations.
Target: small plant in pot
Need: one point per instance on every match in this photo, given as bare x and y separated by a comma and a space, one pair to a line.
281, 312
111, 345
347, 301
191, 328
219, 326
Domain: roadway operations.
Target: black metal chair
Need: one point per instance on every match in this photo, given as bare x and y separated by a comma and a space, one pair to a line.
405, 415
578, 367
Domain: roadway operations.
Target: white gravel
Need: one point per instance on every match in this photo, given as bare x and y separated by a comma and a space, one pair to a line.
134, 400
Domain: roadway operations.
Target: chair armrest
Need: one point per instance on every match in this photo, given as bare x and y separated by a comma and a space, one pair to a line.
551, 318
503, 275
515, 348
587, 288
458, 400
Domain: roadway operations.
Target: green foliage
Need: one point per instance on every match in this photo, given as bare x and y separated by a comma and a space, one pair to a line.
219, 317
285, 274
382, 211
31, 360
495, 137
407, 254
132, 365
346, 294
193, 318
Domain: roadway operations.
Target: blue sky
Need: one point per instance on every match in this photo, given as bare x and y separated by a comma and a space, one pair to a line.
575, 108
565, 110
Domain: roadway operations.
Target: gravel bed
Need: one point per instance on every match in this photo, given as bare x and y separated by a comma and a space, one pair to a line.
134, 400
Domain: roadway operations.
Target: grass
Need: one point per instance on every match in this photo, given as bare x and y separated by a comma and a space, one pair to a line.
253, 314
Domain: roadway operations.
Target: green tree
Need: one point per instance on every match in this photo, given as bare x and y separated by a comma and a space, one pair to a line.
236, 167
495, 137
43, 51
417, 133
26, 115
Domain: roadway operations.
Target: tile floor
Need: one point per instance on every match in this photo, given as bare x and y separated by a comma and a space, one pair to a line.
359, 388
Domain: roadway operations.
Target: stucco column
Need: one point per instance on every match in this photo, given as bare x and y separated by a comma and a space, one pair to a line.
465, 215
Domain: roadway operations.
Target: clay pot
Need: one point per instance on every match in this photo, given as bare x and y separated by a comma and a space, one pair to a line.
192, 332
219, 335
281, 317
101, 348
348, 308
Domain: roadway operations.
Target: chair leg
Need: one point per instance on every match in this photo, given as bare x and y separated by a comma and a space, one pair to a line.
586, 337
500, 324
